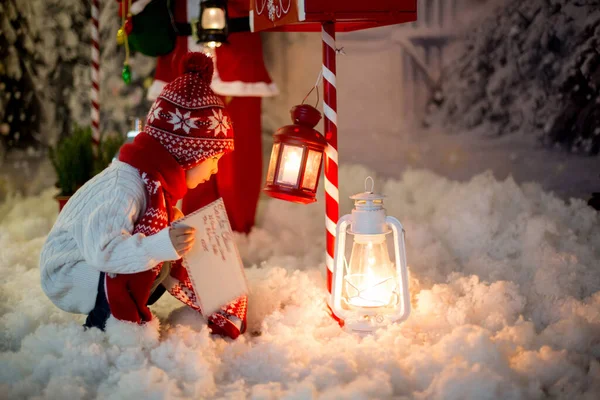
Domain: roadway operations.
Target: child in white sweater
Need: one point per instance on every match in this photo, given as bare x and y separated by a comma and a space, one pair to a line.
112, 250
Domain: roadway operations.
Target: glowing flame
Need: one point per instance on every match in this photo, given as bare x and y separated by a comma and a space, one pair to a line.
292, 161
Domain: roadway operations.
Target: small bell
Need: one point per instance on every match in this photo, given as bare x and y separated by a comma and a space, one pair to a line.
126, 74
121, 37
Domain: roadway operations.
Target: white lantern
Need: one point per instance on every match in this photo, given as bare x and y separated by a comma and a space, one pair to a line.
369, 289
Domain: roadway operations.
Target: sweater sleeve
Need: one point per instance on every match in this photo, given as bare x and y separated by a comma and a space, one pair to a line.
107, 244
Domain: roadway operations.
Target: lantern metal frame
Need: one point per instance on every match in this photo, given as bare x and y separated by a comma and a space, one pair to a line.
369, 218
293, 135
216, 36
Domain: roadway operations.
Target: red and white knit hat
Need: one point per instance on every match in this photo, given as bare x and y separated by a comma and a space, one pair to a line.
188, 119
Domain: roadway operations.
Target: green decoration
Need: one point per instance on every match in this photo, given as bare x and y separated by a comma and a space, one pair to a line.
121, 37
153, 33
126, 74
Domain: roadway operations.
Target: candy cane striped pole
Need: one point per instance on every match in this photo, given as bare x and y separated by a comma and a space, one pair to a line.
95, 92
332, 196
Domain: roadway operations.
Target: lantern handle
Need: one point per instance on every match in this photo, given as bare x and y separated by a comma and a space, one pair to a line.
338, 265
372, 184
400, 250
316, 86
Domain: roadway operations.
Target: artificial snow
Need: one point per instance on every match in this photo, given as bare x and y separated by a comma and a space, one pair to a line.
505, 287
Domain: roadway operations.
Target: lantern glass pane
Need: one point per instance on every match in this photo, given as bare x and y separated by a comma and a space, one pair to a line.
370, 278
313, 162
213, 18
273, 163
289, 165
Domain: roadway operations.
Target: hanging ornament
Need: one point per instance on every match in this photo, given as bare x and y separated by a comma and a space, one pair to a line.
128, 25
122, 33
121, 36
126, 74
148, 82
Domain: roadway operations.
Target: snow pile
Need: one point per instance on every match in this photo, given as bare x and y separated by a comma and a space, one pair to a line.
531, 68
506, 304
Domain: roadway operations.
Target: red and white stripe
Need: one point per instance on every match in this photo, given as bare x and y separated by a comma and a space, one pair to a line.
95, 92
332, 196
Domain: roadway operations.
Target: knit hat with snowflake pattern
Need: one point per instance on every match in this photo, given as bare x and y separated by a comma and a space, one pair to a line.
188, 119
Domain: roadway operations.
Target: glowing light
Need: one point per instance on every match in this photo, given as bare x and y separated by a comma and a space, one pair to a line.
292, 160
213, 18
371, 290
371, 278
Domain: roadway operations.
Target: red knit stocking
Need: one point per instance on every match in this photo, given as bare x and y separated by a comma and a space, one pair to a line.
230, 321
127, 295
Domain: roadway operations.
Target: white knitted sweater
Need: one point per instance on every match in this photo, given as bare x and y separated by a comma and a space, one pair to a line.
93, 234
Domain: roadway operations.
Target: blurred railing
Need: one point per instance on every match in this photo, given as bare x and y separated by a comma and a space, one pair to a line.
424, 52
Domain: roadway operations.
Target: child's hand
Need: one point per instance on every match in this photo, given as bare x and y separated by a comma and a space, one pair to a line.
177, 214
183, 238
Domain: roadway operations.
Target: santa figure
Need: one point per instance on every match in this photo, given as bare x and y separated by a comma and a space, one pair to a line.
242, 80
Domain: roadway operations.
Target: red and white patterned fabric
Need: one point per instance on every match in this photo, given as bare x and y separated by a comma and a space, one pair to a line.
164, 178
186, 125
128, 294
230, 321
188, 119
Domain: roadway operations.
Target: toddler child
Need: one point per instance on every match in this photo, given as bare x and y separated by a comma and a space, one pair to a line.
112, 251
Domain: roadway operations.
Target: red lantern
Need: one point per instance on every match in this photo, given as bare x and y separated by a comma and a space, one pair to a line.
295, 164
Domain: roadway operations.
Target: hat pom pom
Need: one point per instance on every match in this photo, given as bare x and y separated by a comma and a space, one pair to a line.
199, 63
